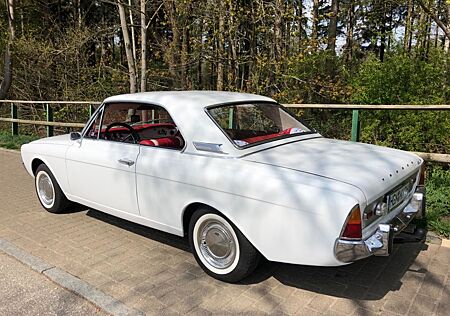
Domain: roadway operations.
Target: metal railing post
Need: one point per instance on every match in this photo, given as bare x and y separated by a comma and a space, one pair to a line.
355, 126
91, 110
50, 129
230, 118
14, 125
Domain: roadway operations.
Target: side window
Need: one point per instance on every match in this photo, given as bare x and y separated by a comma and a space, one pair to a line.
92, 132
143, 124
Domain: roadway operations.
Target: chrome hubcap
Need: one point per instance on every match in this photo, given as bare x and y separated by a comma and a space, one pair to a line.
217, 245
45, 189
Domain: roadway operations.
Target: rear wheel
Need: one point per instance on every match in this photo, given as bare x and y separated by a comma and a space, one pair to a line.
220, 248
49, 192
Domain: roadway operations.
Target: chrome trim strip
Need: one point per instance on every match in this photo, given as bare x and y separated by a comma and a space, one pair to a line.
210, 147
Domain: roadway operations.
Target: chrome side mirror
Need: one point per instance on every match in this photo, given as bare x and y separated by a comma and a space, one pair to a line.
75, 136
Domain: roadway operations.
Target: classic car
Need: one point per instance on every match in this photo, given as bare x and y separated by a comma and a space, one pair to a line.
237, 174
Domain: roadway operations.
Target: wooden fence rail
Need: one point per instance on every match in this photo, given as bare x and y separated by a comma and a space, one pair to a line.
50, 124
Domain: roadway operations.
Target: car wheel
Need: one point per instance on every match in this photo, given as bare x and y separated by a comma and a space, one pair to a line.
49, 192
220, 248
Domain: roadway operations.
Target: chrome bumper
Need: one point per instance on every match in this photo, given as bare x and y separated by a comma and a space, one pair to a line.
380, 242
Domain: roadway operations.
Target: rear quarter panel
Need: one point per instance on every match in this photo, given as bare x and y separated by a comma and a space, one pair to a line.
287, 215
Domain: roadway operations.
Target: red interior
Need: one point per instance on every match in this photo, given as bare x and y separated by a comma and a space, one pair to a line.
138, 128
265, 137
171, 142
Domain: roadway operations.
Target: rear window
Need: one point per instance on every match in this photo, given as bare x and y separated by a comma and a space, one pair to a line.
253, 123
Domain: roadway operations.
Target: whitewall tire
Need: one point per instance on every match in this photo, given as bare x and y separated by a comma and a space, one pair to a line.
220, 248
48, 191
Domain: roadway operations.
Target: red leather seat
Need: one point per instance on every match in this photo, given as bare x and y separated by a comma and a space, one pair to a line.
169, 142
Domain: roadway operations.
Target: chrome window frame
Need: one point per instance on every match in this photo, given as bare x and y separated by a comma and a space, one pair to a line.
102, 108
92, 120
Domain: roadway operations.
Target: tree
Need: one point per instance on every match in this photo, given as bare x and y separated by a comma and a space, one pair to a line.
128, 48
8, 67
143, 47
332, 28
315, 23
442, 26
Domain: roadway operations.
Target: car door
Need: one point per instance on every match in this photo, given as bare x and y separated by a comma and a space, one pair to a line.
101, 172
161, 176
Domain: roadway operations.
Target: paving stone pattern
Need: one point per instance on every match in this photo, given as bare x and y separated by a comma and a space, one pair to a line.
155, 273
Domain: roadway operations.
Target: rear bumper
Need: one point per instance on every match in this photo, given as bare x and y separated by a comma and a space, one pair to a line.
380, 242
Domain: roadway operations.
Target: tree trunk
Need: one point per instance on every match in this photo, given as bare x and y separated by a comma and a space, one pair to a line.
315, 24
447, 39
350, 26
133, 35
220, 50
408, 26
421, 32
278, 34
185, 84
200, 65
174, 46
143, 47
8, 67
299, 18
445, 28
128, 52
332, 28
383, 32
233, 46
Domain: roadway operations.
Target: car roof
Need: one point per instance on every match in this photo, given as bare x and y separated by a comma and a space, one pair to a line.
187, 109
198, 99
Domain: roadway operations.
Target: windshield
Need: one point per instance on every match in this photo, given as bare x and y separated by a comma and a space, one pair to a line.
252, 123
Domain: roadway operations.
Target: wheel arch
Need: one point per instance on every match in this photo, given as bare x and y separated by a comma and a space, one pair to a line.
35, 163
189, 211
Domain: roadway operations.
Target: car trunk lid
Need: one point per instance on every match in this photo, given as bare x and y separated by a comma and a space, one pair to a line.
373, 169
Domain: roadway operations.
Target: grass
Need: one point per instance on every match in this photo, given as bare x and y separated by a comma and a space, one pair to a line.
14, 142
437, 185
438, 201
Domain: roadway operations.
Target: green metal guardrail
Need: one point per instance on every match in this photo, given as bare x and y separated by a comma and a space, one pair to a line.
50, 124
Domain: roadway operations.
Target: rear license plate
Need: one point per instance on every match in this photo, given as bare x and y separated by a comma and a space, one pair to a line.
398, 196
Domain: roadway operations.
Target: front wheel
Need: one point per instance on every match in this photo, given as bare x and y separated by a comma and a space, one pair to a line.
220, 248
49, 192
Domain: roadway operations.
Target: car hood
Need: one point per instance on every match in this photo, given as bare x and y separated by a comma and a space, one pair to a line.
54, 140
373, 169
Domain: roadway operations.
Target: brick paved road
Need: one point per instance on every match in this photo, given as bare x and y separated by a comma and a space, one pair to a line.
154, 272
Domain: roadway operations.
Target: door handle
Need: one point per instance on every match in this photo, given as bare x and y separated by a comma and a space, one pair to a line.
126, 161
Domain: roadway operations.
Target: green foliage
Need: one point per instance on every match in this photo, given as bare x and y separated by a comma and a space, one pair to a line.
62, 70
14, 142
438, 201
401, 79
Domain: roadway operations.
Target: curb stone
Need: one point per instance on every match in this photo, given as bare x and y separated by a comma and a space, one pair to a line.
15, 151
69, 282
445, 243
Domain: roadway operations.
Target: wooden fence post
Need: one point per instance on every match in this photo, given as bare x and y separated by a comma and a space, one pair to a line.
49, 119
355, 126
14, 125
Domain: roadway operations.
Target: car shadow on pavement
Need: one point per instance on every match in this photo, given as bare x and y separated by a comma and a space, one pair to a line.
368, 279
153, 234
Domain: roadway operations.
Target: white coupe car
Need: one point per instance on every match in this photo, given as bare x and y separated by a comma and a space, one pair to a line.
237, 174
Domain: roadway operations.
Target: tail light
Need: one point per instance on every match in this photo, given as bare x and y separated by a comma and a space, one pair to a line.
353, 225
422, 175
